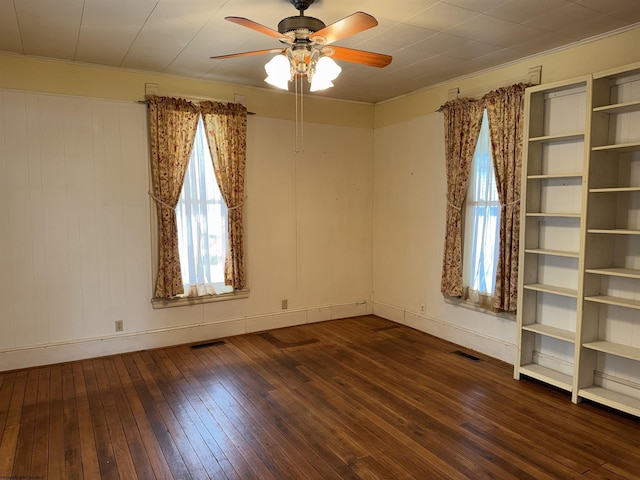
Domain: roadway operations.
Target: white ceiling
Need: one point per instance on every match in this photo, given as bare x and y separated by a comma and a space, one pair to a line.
430, 40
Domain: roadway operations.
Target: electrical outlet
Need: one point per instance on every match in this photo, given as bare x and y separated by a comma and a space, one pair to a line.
285, 304
422, 308
119, 325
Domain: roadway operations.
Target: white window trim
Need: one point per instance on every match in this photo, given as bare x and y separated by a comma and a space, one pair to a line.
477, 308
180, 301
159, 303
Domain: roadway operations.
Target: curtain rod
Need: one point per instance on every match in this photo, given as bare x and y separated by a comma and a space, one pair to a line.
533, 77
146, 102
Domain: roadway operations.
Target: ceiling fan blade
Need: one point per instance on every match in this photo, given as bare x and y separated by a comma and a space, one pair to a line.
354, 23
247, 54
245, 22
358, 56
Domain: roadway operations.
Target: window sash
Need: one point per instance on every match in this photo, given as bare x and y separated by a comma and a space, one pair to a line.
482, 222
201, 216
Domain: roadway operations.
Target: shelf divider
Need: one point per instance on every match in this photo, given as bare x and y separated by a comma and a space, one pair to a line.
549, 331
617, 301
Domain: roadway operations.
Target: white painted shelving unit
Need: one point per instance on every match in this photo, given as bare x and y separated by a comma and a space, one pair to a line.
609, 366
552, 221
579, 285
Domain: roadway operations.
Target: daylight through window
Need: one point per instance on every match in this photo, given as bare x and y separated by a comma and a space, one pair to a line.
202, 224
482, 223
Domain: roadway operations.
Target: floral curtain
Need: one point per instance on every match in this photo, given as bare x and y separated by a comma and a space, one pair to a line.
226, 129
462, 121
172, 127
505, 109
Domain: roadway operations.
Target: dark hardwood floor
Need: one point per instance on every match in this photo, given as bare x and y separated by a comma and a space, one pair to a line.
357, 398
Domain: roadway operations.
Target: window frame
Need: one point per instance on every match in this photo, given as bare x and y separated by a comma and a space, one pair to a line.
180, 301
465, 300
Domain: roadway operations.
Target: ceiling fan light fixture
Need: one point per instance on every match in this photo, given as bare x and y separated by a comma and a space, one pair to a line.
325, 72
278, 72
308, 49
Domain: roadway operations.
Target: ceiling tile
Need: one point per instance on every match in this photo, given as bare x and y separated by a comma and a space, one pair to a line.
267, 13
49, 28
167, 31
627, 11
471, 49
603, 6
543, 42
517, 34
557, 19
594, 26
619, 8
481, 6
497, 57
443, 61
402, 35
397, 11
440, 43
10, 40
442, 16
408, 56
105, 37
521, 11
215, 39
485, 29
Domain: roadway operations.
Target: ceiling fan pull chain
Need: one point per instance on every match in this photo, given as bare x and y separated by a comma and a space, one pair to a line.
299, 93
301, 113
295, 83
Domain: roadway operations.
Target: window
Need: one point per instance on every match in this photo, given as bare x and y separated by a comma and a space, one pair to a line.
202, 224
482, 224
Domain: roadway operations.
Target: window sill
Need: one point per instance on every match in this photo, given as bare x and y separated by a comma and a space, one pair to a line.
472, 306
158, 303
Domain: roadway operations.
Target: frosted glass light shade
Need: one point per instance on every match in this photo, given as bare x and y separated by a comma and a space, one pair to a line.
278, 72
326, 71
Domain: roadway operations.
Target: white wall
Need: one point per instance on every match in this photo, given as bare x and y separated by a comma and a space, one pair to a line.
65, 278
75, 235
408, 240
74, 221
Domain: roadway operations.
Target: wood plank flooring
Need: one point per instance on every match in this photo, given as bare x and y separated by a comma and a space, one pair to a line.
358, 398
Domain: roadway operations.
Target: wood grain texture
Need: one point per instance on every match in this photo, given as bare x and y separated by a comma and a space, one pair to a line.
359, 398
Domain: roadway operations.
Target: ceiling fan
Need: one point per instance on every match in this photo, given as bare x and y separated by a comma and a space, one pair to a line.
309, 50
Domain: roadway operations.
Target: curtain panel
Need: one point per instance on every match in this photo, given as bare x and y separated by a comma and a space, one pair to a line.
172, 127
226, 130
505, 109
462, 121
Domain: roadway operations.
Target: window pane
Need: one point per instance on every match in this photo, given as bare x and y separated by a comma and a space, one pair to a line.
482, 219
202, 220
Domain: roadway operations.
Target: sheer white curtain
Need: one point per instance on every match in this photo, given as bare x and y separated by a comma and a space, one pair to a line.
202, 224
482, 223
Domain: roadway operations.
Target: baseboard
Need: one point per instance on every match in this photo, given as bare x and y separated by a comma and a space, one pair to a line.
563, 365
36, 355
493, 347
617, 384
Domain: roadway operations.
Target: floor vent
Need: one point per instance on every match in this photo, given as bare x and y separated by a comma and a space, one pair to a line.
467, 355
208, 344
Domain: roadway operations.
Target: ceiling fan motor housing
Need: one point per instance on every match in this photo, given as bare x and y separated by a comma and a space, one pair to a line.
291, 24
